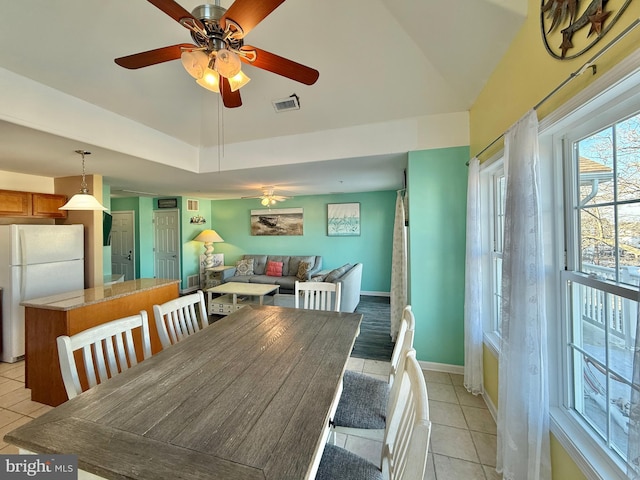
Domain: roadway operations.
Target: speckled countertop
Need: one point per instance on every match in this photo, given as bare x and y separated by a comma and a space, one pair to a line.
81, 298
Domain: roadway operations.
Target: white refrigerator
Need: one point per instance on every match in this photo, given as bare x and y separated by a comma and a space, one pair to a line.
35, 261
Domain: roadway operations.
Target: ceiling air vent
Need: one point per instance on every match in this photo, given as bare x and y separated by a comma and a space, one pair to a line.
285, 104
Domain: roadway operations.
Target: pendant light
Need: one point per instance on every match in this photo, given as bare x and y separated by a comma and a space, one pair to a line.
83, 200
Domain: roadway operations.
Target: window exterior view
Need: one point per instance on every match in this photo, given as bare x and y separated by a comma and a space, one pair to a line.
602, 277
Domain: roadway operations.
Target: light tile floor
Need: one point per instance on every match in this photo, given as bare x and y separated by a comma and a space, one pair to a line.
16, 407
463, 434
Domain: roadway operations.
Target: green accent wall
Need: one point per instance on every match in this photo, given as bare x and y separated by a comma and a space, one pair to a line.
191, 250
437, 189
143, 208
372, 248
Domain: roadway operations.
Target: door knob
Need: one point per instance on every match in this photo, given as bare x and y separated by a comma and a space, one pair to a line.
129, 256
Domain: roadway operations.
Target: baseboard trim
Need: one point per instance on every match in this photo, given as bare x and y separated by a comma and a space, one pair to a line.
375, 294
442, 367
492, 408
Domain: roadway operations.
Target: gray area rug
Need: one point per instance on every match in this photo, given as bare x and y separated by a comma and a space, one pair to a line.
374, 341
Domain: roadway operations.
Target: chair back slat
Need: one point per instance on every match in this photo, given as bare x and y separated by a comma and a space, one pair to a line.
112, 354
87, 357
406, 439
407, 329
131, 351
107, 350
318, 295
181, 317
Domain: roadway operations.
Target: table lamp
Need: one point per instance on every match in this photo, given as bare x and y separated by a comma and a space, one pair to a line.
208, 237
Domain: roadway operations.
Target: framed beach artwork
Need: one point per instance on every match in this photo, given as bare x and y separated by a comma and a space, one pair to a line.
343, 219
277, 221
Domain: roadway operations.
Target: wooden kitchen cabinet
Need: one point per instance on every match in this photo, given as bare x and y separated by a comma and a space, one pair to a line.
47, 205
15, 203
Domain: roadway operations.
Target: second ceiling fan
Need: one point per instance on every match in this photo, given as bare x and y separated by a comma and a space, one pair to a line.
216, 58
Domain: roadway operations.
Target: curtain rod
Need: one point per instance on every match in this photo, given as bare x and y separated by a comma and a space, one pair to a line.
588, 64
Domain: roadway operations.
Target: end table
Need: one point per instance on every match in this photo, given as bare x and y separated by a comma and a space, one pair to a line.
214, 276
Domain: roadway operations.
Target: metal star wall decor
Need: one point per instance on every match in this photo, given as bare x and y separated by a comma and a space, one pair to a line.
560, 20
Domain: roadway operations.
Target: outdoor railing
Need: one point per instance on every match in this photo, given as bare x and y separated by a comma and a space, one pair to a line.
604, 309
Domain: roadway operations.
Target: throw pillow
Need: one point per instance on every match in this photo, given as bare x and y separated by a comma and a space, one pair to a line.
244, 267
274, 269
303, 270
337, 273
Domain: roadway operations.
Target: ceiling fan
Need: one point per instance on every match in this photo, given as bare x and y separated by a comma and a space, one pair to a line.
269, 197
216, 59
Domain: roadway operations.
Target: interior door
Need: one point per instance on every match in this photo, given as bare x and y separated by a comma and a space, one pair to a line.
167, 244
123, 250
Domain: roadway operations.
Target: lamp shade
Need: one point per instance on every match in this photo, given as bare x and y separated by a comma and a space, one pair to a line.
208, 236
238, 81
195, 63
210, 80
83, 201
227, 63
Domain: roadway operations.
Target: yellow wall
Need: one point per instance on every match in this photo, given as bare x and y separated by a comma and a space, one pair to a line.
525, 75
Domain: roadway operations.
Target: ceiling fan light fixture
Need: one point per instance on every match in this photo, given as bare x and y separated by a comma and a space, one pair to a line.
195, 63
227, 63
210, 80
238, 81
265, 201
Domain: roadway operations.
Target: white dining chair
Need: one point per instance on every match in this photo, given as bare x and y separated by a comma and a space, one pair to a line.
365, 400
318, 295
108, 347
181, 317
406, 437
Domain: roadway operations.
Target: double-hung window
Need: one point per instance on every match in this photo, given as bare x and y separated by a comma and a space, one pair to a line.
493, 196
602, 273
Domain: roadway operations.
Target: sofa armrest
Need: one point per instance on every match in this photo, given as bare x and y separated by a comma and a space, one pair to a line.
227, 273
351, 282
315, 268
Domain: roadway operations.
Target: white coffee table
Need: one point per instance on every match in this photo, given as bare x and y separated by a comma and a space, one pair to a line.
235, 295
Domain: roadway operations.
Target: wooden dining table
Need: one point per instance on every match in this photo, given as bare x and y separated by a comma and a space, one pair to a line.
248, 397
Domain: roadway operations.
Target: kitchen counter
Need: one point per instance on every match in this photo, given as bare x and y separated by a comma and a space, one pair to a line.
91, 296
49, 317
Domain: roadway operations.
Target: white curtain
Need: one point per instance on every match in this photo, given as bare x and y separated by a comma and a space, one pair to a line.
523, 398
473, 285
633, 445
398, 267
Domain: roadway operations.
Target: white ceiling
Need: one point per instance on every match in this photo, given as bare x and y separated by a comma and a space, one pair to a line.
379, 61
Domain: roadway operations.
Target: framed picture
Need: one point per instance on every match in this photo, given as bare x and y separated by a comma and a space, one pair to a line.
343, 219
277, 221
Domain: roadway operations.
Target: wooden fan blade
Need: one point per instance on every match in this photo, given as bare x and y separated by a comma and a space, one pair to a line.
175, 11
152, 57
249, 13
229, 98
280, 65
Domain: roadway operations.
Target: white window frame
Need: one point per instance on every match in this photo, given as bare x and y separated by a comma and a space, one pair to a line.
620, 86
490, 171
